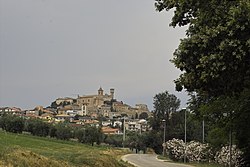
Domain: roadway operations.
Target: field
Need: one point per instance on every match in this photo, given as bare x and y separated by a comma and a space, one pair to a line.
26, 150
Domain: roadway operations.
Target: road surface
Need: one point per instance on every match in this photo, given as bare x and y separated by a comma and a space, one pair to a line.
149, 160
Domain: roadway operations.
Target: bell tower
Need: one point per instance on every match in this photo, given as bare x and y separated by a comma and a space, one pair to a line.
100, 92
112, 92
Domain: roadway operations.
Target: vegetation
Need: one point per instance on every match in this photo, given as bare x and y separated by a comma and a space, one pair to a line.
36, 127
164, 105
27, 150
214, 57
89, 135
12, 124
166, 108
201, 164
215, 62
61, 131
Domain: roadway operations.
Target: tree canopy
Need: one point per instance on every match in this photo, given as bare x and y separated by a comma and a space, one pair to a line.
164, 105
215, 55
215, 62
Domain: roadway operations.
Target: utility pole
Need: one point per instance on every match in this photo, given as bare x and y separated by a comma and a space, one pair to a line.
124, 131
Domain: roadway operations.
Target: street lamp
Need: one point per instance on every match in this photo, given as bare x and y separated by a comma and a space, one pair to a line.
230, 140
230, 136
203, 130
124, 131
164, 138
185, 134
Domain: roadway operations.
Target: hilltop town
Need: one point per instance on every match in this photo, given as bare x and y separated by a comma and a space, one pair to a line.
101, 109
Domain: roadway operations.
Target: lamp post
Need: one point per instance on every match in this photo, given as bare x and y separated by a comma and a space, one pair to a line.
230, 140
124, 131
185, 122
230, 136
203, 130
164, 138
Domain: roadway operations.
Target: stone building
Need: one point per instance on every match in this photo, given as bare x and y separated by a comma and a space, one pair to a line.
64, 100
91, 103
95, 100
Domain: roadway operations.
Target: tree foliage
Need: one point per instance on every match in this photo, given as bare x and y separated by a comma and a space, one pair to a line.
90, 135
215, 55
63, 132
143, 115
215, 62
12, 123
114, 140
164, 105
153, 139
37, 127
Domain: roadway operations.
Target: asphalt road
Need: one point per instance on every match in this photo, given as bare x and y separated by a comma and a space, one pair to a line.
149, 160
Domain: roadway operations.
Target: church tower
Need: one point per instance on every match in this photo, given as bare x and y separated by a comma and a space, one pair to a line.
112, 92
100, 92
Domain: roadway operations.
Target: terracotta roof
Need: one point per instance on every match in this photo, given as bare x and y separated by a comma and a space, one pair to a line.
109, 130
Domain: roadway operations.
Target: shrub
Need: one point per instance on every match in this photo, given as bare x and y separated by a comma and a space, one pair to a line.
199, 152
223, 156
175, 149
195, 151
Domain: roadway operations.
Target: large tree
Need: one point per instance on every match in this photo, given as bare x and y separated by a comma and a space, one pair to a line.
215, 57
164, 105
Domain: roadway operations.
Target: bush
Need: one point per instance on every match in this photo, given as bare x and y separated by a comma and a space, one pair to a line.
195, 151
175, 149
223, 156
199, 152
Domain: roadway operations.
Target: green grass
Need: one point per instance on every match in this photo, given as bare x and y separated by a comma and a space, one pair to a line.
18, 149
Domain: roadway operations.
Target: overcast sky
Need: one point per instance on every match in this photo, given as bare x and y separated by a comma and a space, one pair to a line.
61, 48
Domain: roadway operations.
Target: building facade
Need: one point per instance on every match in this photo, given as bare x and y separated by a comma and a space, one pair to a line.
94, 102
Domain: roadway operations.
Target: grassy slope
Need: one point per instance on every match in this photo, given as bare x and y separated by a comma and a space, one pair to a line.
26, 150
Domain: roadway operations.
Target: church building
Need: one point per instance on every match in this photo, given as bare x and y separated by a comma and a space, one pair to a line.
95, 100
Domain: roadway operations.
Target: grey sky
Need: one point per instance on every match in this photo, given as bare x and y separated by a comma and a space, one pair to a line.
61, 48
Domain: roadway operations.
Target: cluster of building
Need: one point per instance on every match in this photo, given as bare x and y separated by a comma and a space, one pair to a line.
95, 110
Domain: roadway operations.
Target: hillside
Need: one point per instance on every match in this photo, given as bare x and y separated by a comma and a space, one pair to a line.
27, 150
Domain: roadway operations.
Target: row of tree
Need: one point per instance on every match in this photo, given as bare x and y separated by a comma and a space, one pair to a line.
61, 131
